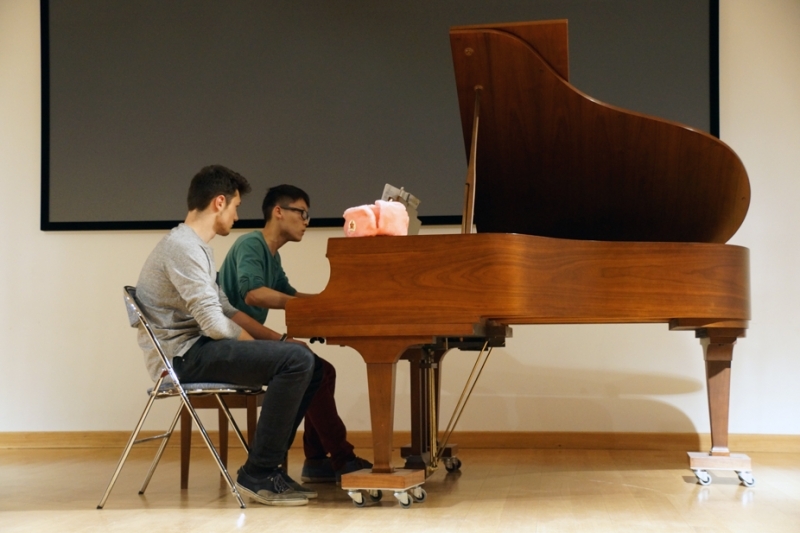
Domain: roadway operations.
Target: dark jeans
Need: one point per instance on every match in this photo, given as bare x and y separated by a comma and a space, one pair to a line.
291, 372
325, 432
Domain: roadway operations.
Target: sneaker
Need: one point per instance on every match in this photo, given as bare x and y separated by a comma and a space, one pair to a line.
297, 487
353, 465
318, 471
269, 490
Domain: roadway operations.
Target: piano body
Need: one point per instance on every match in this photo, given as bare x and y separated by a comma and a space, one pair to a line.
585, 213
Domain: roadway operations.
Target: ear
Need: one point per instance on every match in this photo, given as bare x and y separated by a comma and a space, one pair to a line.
219, 202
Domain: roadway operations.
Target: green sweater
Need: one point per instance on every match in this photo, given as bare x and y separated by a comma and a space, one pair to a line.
250, 265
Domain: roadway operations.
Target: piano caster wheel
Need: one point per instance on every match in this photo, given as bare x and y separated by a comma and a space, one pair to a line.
418, 494
404, 499
452, 464
703, 477
746, 478
357, 497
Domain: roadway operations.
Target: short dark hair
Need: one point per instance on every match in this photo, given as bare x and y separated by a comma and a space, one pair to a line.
212, 181
279, 194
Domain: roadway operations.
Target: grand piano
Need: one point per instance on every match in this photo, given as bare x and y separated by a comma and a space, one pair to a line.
585, 213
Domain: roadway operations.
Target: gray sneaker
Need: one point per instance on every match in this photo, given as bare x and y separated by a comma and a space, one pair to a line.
269, 490
297, 487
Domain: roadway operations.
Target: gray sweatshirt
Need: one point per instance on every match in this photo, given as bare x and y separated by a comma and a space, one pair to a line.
179, 295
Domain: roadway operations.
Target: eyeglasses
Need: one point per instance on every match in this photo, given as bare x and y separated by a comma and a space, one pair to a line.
303, 213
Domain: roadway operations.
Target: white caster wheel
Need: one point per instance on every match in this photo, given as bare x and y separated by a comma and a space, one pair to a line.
746, 478
419, 494
357, 497
703, 477
403, 498
375, 495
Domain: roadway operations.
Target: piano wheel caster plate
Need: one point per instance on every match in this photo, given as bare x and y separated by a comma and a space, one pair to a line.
701, 463
364, 486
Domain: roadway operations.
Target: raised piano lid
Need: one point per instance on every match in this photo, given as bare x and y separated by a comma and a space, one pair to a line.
554, 162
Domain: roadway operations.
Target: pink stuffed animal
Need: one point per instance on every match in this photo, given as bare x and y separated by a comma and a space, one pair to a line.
392, 218
361, 221
383, 218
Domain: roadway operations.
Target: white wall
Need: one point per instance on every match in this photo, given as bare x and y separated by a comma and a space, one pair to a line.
68, 362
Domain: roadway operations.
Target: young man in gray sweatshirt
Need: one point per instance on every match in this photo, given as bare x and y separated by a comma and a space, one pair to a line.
208, 339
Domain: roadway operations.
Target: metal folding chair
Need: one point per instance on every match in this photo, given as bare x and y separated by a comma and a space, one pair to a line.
167, 386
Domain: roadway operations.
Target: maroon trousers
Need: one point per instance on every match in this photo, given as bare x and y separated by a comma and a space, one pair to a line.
325, 433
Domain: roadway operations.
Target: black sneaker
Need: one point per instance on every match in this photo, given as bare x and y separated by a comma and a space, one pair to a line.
353, 465
318, 471
297, 487
269, 490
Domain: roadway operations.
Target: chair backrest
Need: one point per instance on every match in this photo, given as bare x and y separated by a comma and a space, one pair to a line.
135, 318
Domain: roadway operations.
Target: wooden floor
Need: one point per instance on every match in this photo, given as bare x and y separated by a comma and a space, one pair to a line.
507, 490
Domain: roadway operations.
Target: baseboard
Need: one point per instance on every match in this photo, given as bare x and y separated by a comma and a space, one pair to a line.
465, 440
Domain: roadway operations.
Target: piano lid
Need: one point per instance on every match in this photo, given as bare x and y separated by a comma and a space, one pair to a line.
554, 162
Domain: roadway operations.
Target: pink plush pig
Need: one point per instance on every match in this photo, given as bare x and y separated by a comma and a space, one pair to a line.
382, 218
361, 221
392, 218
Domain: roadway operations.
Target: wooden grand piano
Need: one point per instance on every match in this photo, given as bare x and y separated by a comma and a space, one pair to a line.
585, 213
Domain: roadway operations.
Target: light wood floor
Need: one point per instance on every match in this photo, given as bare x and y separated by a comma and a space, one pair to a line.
506, 490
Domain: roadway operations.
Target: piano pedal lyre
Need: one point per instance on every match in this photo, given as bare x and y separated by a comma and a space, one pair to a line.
452, 463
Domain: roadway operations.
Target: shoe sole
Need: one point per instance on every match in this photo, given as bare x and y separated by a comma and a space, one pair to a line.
264, 501
310, 494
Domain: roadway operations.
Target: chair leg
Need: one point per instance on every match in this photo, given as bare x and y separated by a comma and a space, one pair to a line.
186, 446
252, 417
127, 450
160, 451
223, 437
228, 417
211, 448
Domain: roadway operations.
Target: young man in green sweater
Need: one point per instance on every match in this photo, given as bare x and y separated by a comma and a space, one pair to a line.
254, 281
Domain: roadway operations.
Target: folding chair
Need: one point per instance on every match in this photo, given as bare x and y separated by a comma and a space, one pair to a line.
249, 402
167, 386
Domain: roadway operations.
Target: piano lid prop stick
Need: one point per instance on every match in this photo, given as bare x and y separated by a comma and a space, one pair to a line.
469, 186
472, 380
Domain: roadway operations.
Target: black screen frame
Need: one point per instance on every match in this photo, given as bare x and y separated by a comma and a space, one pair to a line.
48, 225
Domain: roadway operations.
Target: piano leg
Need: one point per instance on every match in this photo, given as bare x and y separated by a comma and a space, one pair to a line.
381, 381
718, 354
381, 356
